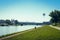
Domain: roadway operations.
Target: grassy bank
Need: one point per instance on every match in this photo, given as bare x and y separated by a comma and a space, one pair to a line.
43, 33
8, 35
14, 33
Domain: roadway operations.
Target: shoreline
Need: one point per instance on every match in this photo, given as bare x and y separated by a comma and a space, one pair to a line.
14, 34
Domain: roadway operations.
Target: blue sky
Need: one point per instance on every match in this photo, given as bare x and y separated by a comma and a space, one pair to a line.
28, 10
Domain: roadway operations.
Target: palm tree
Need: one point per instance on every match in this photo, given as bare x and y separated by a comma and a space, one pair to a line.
44, 16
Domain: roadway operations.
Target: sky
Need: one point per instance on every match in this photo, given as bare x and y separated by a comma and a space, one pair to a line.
28, 10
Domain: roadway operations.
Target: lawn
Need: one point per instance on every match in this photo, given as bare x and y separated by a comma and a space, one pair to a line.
42, 33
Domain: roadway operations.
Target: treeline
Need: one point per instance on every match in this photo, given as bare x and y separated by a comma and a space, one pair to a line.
55, 20
16, 22
8, 22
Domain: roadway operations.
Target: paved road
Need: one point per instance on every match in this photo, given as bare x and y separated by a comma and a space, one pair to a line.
55, 27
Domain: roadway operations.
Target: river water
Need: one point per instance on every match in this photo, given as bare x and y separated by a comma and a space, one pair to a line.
13, 29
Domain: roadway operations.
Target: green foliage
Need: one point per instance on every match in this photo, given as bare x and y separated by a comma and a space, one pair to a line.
8, 22
55, 16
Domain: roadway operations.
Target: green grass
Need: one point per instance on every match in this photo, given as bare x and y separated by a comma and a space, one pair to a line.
42, 33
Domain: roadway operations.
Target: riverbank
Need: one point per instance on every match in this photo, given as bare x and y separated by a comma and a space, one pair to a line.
13, 29
43, 33
14, 34
8, 35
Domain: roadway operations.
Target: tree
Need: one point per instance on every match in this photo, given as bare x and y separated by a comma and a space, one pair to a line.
16, 22
43, 14
55, 16
8, 22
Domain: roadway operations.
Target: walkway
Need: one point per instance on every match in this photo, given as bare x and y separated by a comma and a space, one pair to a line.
24, 32
15, 34
55, 27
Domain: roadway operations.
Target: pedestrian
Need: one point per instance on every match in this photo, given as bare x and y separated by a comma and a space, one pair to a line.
35, 27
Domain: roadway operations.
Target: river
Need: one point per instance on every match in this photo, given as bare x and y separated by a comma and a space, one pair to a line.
13, 29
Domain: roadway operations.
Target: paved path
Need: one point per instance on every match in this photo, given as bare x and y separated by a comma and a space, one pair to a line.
55, 27
24, 32
14, 35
